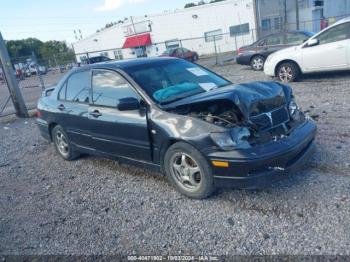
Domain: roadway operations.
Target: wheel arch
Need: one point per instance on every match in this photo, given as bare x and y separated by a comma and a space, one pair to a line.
287, 61
255, 55
51, 127
166, 145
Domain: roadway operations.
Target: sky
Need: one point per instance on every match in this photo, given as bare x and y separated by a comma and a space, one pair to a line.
56, 19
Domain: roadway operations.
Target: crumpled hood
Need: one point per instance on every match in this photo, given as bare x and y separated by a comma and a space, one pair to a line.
251, 98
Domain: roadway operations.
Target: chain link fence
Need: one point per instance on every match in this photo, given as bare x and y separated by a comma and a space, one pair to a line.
219, 47
33, 76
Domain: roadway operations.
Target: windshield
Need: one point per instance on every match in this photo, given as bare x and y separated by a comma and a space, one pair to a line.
170, 80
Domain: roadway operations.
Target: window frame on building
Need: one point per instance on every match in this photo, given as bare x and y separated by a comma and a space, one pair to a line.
210, 35
172, 44
118, 54
242, 29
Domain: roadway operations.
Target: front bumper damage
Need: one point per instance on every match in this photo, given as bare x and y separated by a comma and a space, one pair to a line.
262, 165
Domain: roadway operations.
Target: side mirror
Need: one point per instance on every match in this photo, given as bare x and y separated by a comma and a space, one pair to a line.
312, 42
128, 103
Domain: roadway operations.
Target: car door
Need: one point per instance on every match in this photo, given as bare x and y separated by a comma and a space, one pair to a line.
72, 107
116, 132
177, 53
186, 54
331, 51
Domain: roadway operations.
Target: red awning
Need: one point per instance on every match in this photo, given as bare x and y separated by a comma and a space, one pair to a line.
137, 40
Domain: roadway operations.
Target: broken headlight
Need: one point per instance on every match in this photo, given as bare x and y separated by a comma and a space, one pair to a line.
236, 138
223, 140
293, 107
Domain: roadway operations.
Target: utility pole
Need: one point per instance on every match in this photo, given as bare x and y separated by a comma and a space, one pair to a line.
12, 84
297, 13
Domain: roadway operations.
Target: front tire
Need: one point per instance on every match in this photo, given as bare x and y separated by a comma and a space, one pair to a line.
288, 72
257, 63
188, 171
63, 144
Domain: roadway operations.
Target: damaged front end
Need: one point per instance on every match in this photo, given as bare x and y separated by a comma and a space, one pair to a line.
251, 114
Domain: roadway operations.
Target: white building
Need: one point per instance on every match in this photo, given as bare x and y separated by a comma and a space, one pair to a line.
223, 25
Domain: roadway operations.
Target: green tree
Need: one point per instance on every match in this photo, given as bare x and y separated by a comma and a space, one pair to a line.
50, 53
188, 5
21, 49
54, 53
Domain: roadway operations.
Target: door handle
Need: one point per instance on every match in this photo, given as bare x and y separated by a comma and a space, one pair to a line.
96, 114
61, 107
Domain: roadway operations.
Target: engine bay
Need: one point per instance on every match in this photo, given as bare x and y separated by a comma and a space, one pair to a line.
222, 113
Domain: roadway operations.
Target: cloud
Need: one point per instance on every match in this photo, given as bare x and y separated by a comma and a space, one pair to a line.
110, 5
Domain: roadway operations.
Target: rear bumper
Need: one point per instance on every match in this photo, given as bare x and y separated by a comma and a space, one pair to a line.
263, 165
243, 60
43, 128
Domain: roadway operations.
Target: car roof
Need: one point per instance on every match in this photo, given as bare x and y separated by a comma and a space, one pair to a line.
287, 31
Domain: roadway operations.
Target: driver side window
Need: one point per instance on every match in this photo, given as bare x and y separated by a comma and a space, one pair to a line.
109, 87
337, 33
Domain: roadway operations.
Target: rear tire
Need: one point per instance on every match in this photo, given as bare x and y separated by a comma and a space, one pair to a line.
288, 72
188, 171
63, 144
257, 63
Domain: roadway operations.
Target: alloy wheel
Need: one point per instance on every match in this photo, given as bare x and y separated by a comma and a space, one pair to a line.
186, 171
285, 73
61, 143
258, 63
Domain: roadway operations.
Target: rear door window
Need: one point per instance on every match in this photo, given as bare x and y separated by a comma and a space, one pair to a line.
78, 87
108, 87
295, 38
275, 40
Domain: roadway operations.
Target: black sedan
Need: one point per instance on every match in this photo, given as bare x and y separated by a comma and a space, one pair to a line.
179, 118
256, 53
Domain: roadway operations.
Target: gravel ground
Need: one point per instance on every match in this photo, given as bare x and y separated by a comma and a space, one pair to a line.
96, 206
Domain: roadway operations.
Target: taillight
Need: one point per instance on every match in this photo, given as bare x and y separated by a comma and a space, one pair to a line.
38, 113
238, 51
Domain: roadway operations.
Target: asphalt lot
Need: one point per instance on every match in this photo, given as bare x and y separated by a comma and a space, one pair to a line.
97, 206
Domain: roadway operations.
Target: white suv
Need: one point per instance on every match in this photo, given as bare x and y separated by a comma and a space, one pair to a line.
329, 50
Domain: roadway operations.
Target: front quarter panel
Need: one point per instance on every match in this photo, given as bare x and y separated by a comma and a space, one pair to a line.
167, 127
289, 54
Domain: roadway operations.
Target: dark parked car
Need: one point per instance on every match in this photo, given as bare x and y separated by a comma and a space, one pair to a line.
256, 53
174, 116
97, 59
183, 53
